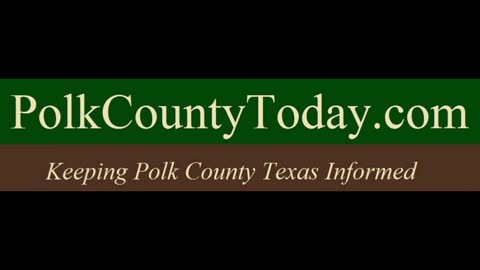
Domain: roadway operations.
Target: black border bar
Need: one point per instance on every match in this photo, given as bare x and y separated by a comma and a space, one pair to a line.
237, 72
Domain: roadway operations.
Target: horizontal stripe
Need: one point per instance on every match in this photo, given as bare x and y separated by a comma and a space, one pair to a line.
226, 111
239, 167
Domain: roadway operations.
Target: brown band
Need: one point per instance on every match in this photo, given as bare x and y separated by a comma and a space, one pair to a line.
277, 167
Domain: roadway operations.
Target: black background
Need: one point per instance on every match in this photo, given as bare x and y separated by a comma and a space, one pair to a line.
203, 57
226, 57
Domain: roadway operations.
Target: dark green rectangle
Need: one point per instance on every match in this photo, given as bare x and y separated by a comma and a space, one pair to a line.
380, 94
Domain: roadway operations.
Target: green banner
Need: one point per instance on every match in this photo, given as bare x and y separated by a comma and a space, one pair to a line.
239, 111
